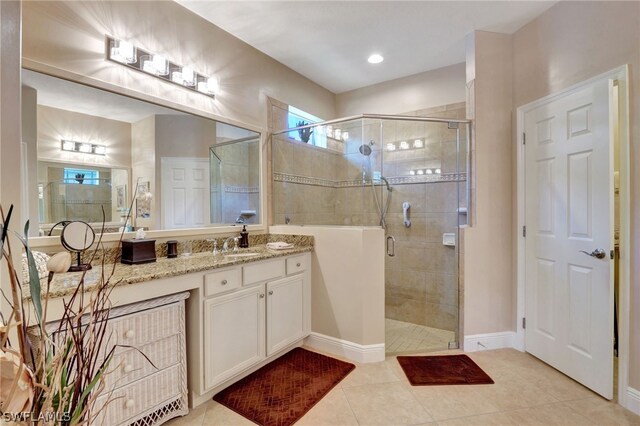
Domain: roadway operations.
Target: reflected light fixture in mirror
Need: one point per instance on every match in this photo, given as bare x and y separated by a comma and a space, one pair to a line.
159, 66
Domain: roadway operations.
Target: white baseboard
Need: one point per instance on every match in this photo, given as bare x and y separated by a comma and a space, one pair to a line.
345, 349
633, 400
483, 342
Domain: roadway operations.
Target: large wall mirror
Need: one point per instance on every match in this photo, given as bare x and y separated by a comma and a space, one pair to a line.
92, 154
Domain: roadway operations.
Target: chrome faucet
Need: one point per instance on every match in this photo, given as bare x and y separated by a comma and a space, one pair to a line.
225, 246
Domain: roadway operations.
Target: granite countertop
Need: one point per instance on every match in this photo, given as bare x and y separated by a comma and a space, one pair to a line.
65, 284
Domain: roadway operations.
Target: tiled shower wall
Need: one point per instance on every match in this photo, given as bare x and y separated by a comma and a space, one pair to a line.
422, 278
421, 281
239, 186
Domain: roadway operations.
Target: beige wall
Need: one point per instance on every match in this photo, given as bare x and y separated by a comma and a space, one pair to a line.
10, 177
428, 89
71, 36
30, 142
572, 42
347, 294
489, 260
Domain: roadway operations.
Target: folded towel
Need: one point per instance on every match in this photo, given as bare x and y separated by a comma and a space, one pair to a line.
279, 245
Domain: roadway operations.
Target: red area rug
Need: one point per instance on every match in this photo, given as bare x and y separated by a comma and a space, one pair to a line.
443, 370
281, 392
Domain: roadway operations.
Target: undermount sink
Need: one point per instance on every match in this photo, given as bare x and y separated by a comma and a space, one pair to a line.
240, 255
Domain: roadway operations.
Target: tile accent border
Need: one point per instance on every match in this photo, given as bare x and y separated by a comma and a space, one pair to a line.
483, 342
242, 189
345, 349
399, 180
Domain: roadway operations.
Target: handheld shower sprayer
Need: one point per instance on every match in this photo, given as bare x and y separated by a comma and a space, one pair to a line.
405, 213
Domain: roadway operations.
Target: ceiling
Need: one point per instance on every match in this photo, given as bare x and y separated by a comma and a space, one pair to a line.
329, 41
62, 94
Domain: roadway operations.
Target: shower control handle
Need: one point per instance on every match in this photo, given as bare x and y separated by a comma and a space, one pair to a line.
391, 250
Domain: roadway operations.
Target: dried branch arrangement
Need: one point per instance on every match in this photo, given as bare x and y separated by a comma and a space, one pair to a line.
52, 376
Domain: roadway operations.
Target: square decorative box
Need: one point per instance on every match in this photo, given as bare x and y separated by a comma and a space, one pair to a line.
135, 252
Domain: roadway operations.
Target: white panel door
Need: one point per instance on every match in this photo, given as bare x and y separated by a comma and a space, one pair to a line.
568, 215
185, 192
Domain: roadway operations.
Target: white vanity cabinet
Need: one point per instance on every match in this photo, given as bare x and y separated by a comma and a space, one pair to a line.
246, 325
234, 334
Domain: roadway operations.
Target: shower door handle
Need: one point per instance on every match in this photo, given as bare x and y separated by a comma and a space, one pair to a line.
391, 250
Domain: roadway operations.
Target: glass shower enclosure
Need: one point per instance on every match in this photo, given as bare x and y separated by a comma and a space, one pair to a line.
405, 174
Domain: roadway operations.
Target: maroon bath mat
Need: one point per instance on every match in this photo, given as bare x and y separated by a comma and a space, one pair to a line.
281, 392
443, 370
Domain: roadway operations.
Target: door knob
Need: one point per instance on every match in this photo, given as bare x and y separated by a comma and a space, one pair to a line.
597, 253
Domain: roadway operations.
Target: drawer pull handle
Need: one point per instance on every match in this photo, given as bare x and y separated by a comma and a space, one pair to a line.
129, 334
128, 368
298, 264
262, 296
129, 404
223, 282
270, 292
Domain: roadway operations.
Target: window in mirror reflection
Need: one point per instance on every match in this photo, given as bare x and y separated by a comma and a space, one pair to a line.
199, 172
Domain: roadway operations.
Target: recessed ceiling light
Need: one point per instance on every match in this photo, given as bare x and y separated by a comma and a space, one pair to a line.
375, 59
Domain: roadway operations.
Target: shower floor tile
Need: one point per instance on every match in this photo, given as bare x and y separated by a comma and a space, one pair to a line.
403, 337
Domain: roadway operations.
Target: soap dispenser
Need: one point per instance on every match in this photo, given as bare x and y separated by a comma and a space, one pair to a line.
244, 237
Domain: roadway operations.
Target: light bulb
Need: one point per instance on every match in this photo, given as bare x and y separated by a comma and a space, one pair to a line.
176, 77
418, 143
212, 85
188, 76
68, 146
124, 52
345, 136
100, 149
337, 133
420, 172
160, 64
391, 146
429, 171
404, 145
85, 147
375, 58
438, 171
412, 172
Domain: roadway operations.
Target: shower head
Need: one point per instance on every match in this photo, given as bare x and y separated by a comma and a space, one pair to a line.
365, 150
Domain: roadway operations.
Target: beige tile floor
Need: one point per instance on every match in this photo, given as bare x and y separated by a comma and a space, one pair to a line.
526, 392
406, 337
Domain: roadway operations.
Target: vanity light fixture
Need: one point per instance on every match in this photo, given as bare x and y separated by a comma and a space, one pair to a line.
159, 66
84, 147
329, 131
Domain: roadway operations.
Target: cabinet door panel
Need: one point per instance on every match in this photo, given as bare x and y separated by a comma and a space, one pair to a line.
285, 312
234, 334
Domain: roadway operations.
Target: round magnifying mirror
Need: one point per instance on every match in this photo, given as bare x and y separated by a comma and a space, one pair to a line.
78, 236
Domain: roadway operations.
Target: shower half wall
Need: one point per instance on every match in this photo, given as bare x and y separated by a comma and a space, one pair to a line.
334, 184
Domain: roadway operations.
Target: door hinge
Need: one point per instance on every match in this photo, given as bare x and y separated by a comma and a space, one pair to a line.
612, 254
524, 138
524, 322
524, 231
